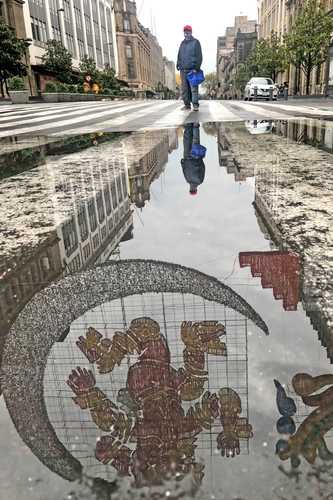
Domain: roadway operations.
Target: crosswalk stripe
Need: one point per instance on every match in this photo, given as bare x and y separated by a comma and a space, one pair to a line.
47, 115
63, 123
219, 111
37, 111
309, 110
125, 123
254, 108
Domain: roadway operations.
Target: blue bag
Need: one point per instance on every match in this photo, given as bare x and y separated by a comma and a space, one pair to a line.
198, 151
196, 78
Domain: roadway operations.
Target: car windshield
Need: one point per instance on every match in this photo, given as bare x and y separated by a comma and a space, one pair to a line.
261, 81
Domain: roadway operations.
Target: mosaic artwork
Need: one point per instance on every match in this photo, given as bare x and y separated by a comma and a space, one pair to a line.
149, 433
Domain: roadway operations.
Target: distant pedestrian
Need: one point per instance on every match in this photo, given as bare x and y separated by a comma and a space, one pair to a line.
189, 59
285, 91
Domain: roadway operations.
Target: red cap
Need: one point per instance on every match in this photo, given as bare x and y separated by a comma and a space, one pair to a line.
188, 28
193, 193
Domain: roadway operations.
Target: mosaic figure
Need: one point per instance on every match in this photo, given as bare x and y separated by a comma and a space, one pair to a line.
149, 410
309, 439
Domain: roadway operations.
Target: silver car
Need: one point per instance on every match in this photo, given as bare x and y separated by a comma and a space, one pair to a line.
260, 88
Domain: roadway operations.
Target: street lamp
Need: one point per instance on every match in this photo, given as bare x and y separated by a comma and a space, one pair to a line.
59, 24
27, 43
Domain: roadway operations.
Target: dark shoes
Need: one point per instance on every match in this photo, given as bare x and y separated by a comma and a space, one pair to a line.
187, 107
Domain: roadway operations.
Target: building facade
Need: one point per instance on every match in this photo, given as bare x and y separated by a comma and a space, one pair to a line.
232, 50
85, 27
156, 61
169, 74
134, 50
279, 16
12, 13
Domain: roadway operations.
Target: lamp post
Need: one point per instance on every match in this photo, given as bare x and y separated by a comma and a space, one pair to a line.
27, 43
59, 23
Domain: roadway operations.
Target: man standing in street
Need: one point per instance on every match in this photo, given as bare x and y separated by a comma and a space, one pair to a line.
189, 59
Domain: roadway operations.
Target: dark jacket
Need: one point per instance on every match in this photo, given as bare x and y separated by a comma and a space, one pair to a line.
194, 170
189, 55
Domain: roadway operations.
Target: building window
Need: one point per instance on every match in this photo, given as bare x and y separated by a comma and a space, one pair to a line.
38, 29
131, 70
86, 251
127, 26
120, 191
96, 241
129, 51
69, 236
83, 223
114, 195
92, 215
100, 207
107, 199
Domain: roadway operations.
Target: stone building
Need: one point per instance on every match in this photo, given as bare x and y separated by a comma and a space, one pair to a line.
169, 74
134, 49
147, 156
85, 27
156, 61
279, 16
12, 12
232, 50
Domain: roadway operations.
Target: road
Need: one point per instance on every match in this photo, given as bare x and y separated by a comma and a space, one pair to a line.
79, 117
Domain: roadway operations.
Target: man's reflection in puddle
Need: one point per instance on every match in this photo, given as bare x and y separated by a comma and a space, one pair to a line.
192, 163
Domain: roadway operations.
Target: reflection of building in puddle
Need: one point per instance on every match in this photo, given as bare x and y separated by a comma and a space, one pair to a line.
301, 220
312, 132
277, 270
60, 217
227, 155
202, 425
147, 155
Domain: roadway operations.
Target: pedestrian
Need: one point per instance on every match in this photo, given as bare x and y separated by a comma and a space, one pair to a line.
285, 90
193, 167
189, 59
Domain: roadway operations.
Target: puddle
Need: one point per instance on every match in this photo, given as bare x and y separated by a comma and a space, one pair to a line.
166, 313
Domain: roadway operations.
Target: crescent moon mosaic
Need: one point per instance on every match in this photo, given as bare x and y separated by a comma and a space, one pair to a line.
152, 385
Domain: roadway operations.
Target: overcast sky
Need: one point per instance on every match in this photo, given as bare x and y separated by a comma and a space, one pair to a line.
209, 18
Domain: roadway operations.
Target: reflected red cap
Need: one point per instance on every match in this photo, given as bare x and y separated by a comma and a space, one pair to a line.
193, 193
188, 28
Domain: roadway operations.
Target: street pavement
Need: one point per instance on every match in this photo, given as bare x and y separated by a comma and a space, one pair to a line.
115, 116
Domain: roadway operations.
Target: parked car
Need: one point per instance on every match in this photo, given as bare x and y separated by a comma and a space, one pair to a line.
260, 88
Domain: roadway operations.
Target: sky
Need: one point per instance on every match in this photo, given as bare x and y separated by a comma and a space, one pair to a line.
209, 18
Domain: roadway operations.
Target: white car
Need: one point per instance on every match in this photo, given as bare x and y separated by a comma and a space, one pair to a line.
260, 88
259, 127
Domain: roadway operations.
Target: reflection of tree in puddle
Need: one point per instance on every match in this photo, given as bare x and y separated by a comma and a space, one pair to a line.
152, 414
310, 439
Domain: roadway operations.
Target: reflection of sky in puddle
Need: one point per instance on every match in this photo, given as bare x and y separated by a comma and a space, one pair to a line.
206, 232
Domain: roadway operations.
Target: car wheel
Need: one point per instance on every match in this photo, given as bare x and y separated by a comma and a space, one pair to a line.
246, 98
250, 99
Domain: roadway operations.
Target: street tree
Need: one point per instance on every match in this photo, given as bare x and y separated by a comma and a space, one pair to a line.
269, 57
88, 67
12, 51
58, 60
108, 79
211, 83
309, 39
241, 77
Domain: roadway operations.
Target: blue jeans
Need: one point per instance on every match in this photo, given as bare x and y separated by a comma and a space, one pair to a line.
190, 94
